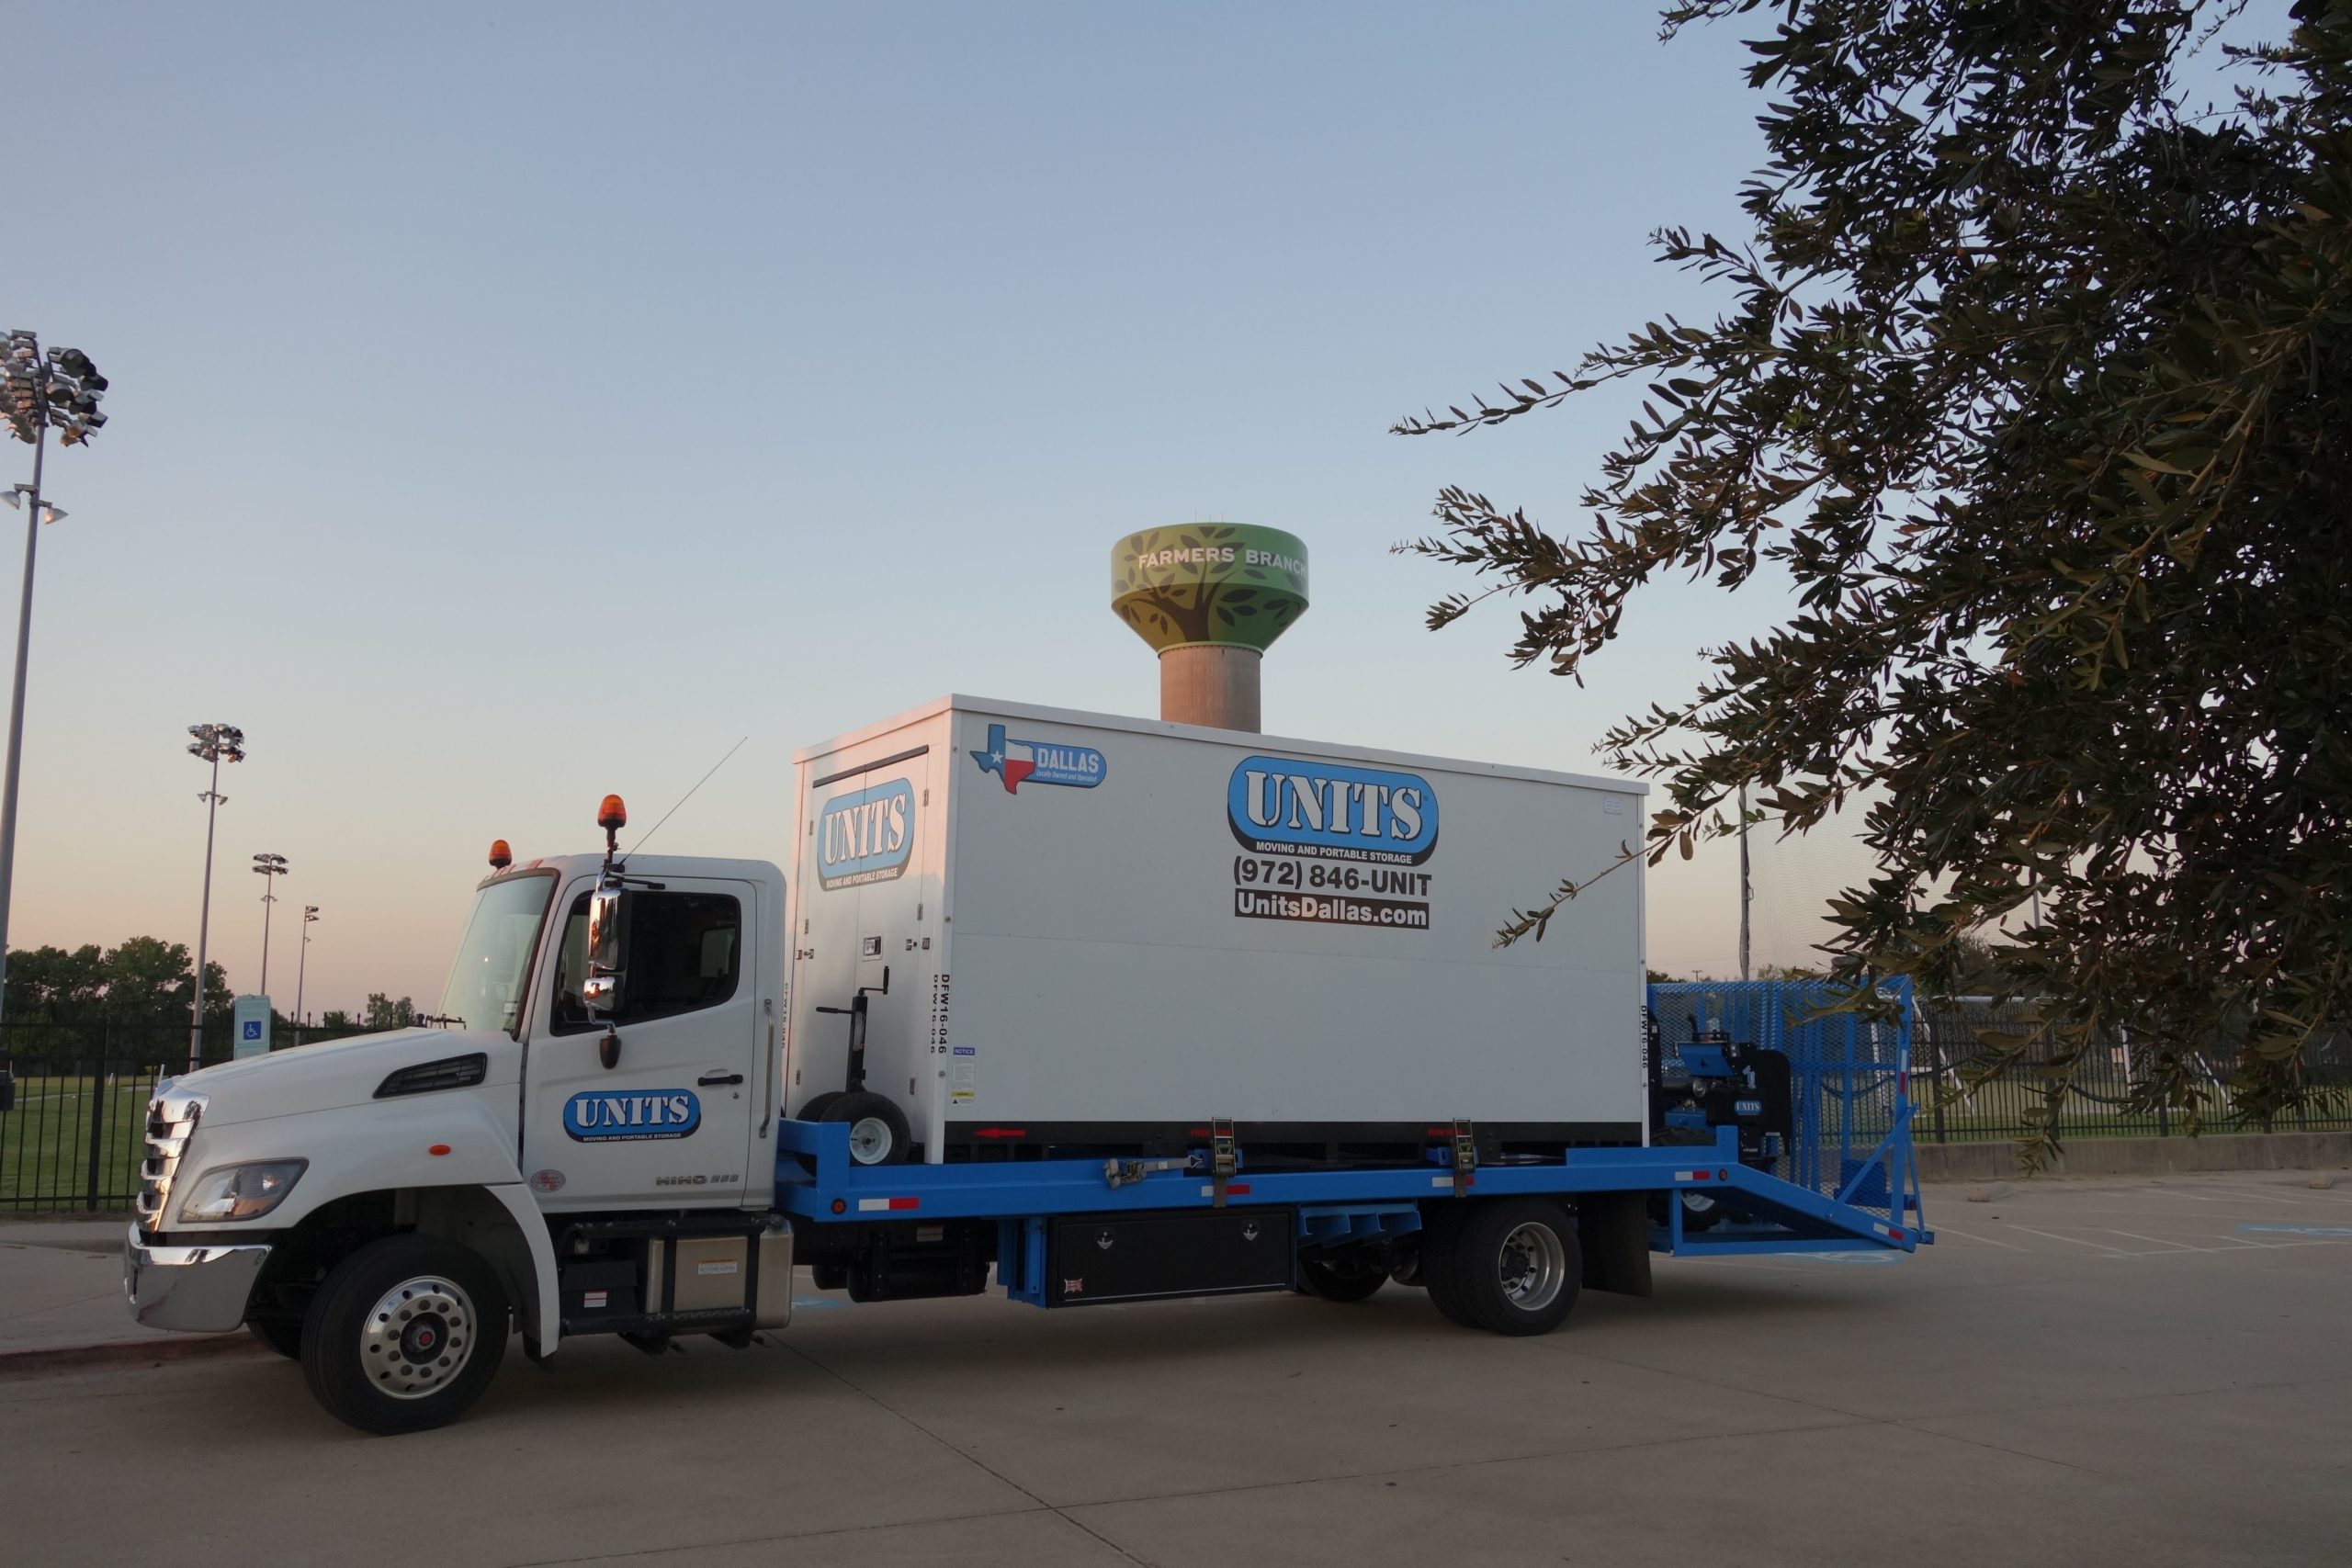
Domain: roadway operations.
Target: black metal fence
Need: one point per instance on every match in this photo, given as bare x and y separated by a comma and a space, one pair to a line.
2011, 1106
73, 1130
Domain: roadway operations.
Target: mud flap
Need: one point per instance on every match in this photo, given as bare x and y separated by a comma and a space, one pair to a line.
1614, 1229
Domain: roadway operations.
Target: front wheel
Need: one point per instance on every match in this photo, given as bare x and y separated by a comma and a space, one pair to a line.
286, 1339
406, 1334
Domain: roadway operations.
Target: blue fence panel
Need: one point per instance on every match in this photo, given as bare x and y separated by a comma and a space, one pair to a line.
1849, 1079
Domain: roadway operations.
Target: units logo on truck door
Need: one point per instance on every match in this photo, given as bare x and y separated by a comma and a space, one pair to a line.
1330, 842
612, 1116
1018, 762
866, 836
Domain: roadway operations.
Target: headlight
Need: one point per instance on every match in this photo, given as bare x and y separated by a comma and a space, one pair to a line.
240, 1191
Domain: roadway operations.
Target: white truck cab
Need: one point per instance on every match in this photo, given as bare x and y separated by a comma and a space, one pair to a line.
366, 1203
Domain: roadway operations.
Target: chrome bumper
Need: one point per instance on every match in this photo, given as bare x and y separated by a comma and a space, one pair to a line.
199, 1290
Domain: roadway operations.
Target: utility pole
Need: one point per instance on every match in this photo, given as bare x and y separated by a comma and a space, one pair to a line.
272, 867
302, 968
35, 393
214, 743
1747, 889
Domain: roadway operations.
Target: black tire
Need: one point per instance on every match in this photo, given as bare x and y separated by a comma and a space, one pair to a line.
1514, 1266
1342, 1276
814, 1111
1405, 1262
416, 1313
879, 1133
1440, 1221
286, 1339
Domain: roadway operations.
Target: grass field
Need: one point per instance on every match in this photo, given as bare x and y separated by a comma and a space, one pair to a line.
45, 1142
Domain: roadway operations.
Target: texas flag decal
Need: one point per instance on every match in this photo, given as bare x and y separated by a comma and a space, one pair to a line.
1045, 763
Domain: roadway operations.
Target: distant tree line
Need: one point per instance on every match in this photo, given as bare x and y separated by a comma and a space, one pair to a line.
85, 995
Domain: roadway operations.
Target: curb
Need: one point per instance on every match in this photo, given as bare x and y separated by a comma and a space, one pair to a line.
117, 1352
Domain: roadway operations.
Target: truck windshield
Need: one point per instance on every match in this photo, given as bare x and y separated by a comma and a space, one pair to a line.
493, 963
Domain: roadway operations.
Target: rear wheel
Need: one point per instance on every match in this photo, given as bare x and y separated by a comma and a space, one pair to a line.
1440, 1222
1513, 1266
1342, 1276
877, 1128
817, 1105
406, 1334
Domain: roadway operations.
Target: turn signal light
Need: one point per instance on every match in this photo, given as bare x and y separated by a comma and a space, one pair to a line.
612, 814
501, 857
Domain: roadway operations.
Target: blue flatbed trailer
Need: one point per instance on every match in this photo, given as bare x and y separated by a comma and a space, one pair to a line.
1843, 1179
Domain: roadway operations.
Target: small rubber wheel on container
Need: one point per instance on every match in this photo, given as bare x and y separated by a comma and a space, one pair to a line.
286, 1339
877, 1128
1340, 1277
1700, 1211
1440, 1222
817, 1105
1514, 1265
406, 1334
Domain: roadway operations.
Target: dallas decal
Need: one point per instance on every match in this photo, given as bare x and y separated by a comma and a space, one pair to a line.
1046, 763
612, 1116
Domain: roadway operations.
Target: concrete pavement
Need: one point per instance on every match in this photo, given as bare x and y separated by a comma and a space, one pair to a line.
2151, 1371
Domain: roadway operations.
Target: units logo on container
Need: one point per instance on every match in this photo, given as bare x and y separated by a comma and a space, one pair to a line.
1281, 805
866, 836
1044, 762
612, 1116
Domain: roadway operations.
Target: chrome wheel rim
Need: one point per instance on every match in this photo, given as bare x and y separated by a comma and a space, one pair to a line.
418, 1338
869, 1140
1698, 1202
1533, 1267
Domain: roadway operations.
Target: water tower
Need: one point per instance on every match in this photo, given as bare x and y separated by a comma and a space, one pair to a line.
1210, 598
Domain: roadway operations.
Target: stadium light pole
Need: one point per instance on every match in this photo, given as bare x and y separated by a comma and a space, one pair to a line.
302, 967
271, 867
36, 394
214, 743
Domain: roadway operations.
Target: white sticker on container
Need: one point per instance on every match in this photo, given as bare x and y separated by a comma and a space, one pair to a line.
707, 1269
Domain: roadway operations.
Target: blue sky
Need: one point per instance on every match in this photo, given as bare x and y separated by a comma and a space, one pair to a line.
514, 405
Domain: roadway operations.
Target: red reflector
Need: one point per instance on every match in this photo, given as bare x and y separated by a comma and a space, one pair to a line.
906, 1202
1198, 1133
839, 1207
1439, 1132
1723, 1176
1896, 1235
438, 1149
1699, 1175
1237, 1190
1000, 1132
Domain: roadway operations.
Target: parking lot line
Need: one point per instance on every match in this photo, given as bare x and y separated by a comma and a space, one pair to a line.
2078, 1241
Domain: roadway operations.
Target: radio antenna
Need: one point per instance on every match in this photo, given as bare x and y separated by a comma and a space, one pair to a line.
685, 798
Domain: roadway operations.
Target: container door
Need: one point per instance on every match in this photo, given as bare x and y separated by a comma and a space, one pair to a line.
670, 1122
860, 882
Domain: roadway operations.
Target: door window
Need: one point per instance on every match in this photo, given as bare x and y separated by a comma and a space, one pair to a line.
686, 953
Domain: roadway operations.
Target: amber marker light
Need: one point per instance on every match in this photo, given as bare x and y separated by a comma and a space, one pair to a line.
612, 816
501, 857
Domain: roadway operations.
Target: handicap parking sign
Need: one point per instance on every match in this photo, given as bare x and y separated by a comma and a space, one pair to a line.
251, 1016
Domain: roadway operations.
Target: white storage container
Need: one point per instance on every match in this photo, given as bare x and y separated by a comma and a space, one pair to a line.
1105, 932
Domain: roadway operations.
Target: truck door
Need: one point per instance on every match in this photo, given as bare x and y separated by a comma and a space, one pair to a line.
670, 1121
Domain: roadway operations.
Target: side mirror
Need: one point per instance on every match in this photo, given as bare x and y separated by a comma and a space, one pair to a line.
600, 989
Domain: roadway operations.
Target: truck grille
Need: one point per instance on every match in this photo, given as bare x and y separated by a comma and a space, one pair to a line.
172, 1116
